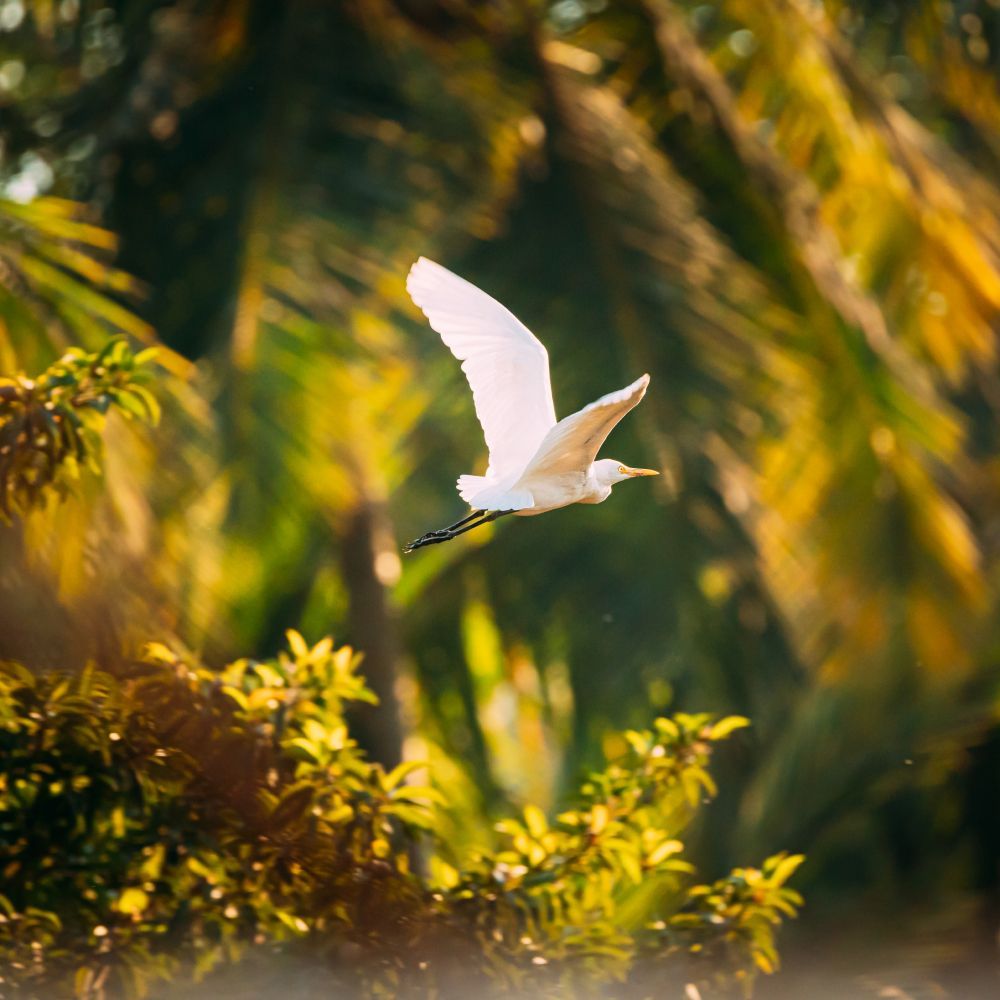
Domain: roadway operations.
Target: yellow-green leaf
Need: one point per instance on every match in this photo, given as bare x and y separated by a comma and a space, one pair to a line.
726, 726
133, 901
535, 820
786, 868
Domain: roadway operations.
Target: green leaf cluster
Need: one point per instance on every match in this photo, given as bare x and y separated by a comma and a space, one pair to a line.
50, 425
163, 821
594, 893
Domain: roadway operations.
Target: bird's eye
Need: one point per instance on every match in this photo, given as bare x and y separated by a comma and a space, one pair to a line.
621, 470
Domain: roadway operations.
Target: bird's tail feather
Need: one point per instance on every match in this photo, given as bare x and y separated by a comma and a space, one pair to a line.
469, 486
483, 493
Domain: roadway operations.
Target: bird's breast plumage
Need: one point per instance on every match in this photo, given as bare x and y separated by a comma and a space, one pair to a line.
551, 492
598, 495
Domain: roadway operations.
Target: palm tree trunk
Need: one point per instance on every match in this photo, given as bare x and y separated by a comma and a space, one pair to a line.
365, 546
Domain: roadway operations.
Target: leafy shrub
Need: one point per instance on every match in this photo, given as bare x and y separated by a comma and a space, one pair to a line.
49, 426
166, 820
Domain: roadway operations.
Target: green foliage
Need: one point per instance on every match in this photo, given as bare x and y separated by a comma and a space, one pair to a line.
605, 882
742, 910
163, 820
49, 426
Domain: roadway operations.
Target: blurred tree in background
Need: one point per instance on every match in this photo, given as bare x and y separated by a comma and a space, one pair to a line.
785, 210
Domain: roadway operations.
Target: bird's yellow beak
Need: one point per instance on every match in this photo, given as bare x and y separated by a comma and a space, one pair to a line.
642, 472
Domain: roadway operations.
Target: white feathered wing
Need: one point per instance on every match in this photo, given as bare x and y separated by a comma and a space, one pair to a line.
572, 445
508, 372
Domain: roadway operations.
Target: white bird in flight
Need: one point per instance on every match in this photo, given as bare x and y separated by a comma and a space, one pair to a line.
536, 463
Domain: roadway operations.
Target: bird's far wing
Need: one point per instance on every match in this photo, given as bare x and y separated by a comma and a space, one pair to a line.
574, 442
506, 365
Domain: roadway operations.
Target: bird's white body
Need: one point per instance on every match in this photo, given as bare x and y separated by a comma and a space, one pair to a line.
552, 492
546, 493
536, 463
549, 490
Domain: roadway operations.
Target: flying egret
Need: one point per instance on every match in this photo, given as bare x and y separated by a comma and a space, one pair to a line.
536, 463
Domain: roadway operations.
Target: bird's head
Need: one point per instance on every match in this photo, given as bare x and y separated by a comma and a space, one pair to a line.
609, 471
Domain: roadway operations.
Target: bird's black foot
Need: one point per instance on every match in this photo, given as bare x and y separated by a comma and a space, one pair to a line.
476, 518
431, 538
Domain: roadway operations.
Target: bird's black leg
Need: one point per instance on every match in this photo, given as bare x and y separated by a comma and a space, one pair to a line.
442, 533
490, 516
458, 524
476, 518
447, 534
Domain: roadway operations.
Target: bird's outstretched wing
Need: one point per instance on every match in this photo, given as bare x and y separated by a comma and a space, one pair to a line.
574, 442
506, 365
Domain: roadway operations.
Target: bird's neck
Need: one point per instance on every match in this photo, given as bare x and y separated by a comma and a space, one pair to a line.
597, 491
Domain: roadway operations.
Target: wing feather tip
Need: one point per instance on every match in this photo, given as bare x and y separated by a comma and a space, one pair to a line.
638, 387
419, 270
